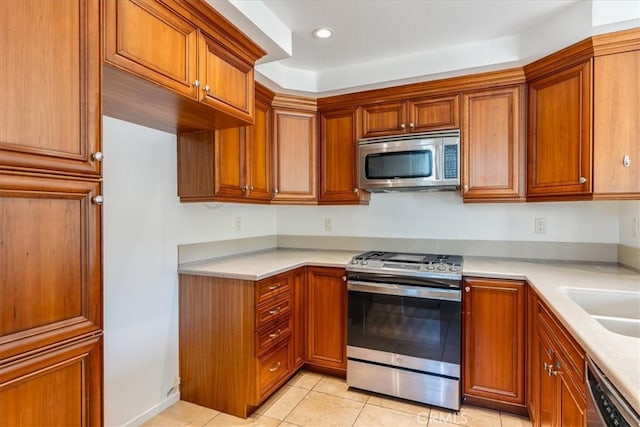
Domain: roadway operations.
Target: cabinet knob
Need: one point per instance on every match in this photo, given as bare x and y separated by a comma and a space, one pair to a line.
344, 278
465, 188
244, 187
467, 289
206, 88
412, 125
97, 156
251, 187
582, 180
626, 161
196, 83
275, 191
355, 190
402, 126
97, 200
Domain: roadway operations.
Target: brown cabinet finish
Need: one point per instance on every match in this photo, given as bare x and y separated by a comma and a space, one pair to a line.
43, 44
194, 68
326, 319
51, 274
417, 115
557, 389
616, 127
494, 343
339, 158
559, 134
61, 386
492, 141
299, 285
294, 155
229, 164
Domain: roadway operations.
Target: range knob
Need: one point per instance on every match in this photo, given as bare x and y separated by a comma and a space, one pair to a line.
354, 261
364, 262
430, 266
453, 268
441, 267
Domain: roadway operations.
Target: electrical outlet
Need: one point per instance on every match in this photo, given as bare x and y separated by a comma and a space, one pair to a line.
328, 224
238, 223
540, 226
635, 226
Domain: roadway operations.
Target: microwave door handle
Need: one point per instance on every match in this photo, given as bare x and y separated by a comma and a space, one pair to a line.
438, 153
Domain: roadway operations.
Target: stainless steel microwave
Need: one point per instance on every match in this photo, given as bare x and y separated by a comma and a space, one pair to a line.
412, 162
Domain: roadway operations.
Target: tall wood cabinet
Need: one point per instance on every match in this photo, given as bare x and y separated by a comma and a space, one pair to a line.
494, 343
50, 214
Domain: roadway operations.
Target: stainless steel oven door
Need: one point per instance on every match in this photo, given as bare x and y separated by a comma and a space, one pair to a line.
409, 327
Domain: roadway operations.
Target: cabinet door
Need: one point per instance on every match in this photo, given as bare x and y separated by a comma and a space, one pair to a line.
616, 125
572, 404
259, 153
493, 144
226, 82
164, 53
339, 158
547, 387
299, 284
389, 118
230, 163
326, 318
50, 261
59, 387
49, 84
295, 154
494, 341
435, 113
559, 134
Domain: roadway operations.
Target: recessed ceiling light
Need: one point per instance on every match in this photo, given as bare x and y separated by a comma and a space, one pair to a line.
322, 33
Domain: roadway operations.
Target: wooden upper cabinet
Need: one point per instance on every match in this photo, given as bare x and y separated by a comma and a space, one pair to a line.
416, 115
294, 150
339, 158
616, 125
228, 164
51, 274
493, 144
494, 343
189, 69
559, 134
57, 129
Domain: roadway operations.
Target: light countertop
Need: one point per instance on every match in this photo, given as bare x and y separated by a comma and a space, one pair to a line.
617, 355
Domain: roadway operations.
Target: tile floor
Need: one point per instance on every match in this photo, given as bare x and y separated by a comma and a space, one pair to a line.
310, 399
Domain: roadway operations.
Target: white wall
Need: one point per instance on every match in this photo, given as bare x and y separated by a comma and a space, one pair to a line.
143, 225
442, 215
628, 211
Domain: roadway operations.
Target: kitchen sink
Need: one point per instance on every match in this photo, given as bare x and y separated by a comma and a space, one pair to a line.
617, 311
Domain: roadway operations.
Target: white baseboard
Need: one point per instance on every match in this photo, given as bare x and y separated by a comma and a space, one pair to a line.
153, 411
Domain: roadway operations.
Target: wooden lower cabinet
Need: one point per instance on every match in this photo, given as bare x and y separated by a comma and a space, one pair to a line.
557, 389
60, 386
494, 343
326, 319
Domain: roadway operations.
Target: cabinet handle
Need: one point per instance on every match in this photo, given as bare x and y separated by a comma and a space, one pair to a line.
467, 289
582, 180
412, 125
97, 156
402, 126
275, 334
626, 161
274, 311
196, 83
98, 200
273, 287
206, 88
275, 367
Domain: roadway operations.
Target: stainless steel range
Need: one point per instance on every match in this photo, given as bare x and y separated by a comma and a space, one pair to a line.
404, 326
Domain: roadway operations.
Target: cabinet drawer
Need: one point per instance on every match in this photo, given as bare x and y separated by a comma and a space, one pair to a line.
273, 335
273, 368
273, 311
272, 287
570, 351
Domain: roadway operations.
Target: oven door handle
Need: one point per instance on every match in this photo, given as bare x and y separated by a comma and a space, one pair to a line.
405, 291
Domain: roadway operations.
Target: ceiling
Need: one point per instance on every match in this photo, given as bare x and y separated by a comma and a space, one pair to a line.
379, 43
